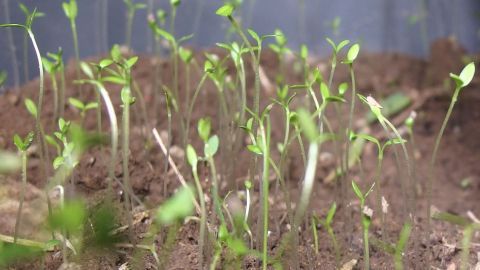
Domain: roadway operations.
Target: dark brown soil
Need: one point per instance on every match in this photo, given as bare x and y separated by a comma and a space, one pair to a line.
377, 74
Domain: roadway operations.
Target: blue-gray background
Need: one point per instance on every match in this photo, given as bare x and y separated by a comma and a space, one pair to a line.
380, 25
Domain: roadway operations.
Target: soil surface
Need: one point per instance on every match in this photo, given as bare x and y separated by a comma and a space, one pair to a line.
456, 181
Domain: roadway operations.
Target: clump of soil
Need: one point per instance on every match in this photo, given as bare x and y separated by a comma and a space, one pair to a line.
377, 74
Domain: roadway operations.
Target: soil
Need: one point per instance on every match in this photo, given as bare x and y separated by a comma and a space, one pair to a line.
377, 74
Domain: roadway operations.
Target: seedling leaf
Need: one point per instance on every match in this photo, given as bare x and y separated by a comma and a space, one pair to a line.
31, 107
204, 127
76, 103
467, 74
357, 191
254, 149
211, 146
225, 10
331, 213
192, 157
353, 53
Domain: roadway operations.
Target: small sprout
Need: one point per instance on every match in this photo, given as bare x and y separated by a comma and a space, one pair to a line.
342, 88
352, 54
410, 121
70, 9
175, 3
185, 54
24, 144
192, 157
339, 47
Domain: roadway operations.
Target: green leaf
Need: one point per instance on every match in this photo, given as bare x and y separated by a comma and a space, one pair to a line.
28, 140
105, 63
177, 207
237, 246
211, 146
31, 107
331, 213
132, 61
91, 105
50, 140
76, 103
115, 53
225, 10
192, 157
353, 53
204, 127
185, 54
18, 142
114, 79
308, 126
126, 96
342, 44
254, 149
164, 34
254, 35
357, 191
467, 74
175, 3
47, 65
394, 141
342, 88
404, 235
366, 137
324, 91
57, 162
304, 51
334, 47
87, 70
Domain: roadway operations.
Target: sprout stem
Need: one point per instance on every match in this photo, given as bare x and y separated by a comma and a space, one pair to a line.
22, 195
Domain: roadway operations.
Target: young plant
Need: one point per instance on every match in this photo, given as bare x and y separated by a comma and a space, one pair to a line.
52, 67
280, 48
366, 219
400, 246
38, 109
327, 223
378, 172
192, 159
29, 17
83, 107
131, 9
60, 68
22, 146
461, 81
71, 11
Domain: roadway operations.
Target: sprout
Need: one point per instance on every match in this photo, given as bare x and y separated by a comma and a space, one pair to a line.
366, 218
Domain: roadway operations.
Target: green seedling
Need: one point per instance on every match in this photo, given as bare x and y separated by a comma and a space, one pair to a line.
29, 17
71, 11
261, 146
192, 159
22, 146
461, 81
401, 244
177, 208
39, 135
337, 48
52, 67
378, 172
11, 46
327, 223
83, 107
59, 66
131, 9
376, 109
366, 219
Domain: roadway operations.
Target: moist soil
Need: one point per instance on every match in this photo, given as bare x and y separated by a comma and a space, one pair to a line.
425, 81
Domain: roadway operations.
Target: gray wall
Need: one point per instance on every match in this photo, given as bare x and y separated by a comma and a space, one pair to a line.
380, 25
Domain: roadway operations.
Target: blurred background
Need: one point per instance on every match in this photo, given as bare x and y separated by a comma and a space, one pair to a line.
406, 26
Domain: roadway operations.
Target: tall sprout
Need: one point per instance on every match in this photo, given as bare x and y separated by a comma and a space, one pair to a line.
461, 81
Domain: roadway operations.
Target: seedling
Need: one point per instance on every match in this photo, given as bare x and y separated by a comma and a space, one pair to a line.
280, 48
22, 146
71, 11
461, 81
327, 223
131, 9
28, 28
366, 219
60, 68
53, 67
29, 17
401, 244
83, 107
380, 154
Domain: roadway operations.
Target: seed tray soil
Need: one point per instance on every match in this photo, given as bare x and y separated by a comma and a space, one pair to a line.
377, 74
